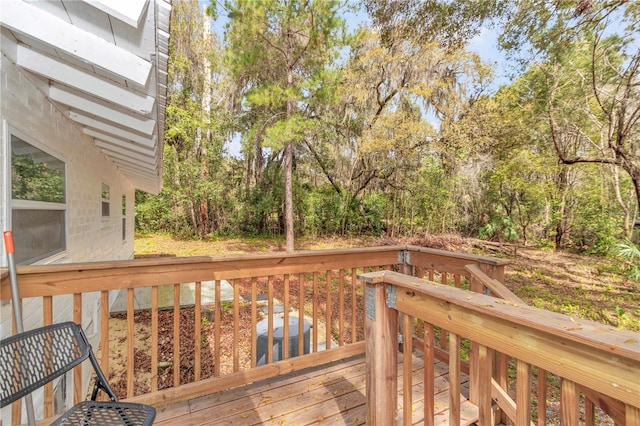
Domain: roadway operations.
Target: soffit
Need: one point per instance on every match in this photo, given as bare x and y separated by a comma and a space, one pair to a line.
104, 64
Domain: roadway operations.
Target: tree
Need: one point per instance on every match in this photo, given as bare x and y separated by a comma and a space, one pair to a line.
589, 55
379, 135
279, 52
449, 24
196, 128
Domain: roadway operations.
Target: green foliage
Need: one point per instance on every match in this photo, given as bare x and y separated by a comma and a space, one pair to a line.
277, 52
596, 232
323, 210
499, 228
153, 213
326, 212
36, 181
364, 158
432, 192
629, 254
448, 23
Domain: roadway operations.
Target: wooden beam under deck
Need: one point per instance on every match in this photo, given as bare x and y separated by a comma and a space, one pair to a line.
332, 394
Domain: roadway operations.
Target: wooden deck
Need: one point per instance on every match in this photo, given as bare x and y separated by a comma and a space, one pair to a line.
331, 394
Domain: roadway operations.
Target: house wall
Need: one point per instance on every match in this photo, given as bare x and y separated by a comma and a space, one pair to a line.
25, 110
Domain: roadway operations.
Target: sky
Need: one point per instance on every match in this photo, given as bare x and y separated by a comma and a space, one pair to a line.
485, 44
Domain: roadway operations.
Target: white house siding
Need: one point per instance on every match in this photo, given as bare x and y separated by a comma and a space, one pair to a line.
90, 237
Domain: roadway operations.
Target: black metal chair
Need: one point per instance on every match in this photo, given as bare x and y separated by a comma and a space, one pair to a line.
31, 359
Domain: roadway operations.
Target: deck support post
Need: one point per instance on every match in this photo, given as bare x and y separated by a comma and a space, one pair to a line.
381, 337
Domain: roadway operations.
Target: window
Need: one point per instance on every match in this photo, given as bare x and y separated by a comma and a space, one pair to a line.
124, 217
105, 200
38, 202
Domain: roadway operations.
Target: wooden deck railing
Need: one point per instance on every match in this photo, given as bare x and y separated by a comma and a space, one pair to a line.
322, 284
588, 357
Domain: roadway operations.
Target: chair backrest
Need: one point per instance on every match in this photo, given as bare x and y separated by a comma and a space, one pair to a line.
31, 359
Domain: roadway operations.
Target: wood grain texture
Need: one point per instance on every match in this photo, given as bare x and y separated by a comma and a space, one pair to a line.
576, 351
381, 337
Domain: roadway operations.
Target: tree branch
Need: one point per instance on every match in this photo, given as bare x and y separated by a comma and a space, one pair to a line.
323, 167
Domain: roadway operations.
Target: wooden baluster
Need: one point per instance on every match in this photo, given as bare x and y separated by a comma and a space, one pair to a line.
236, 326
354, 306
270, 321
328, 322
300, 314
254, 320
541, 391
454, 379
407, 378
130, 341
569, 403
483, 379
443, 339
47, 319
500, 372
341, 307
589, 412
197, 343
420, 324
429, 375
285, 322
315, 311
104, 333
419, 271
154, 338
217, 370
77, 372
632, 415
443, 332
523, 392
176, 335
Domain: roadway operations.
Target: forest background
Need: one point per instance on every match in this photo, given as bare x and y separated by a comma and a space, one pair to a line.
396, 128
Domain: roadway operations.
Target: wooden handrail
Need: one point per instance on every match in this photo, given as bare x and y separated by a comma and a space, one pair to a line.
495, 286
70, 278
578, 351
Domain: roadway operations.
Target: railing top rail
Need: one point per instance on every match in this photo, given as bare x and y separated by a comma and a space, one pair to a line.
73, 278
496, 287
186, 260
589, 353
471, 258
68, 278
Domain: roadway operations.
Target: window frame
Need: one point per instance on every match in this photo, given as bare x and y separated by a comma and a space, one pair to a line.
124, 218
17, 204
105, 201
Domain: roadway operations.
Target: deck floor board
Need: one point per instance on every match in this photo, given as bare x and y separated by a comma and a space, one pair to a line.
331, 394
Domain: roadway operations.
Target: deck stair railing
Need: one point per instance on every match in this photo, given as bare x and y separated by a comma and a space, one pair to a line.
588, 357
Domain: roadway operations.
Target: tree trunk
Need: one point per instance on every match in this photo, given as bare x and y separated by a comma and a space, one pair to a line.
635, 178
288, 198
288, 176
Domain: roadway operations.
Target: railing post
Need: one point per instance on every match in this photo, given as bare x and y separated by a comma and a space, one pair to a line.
500, 363
381, 337
484, 363
474, 365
